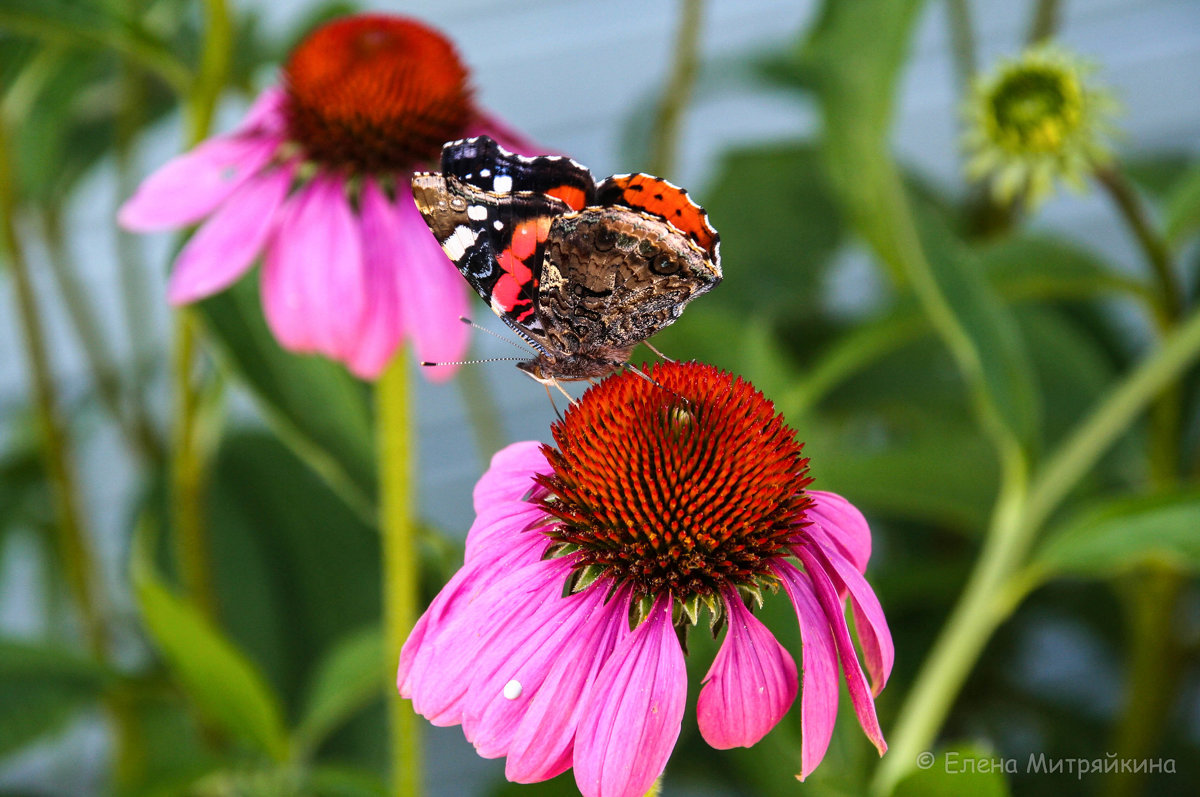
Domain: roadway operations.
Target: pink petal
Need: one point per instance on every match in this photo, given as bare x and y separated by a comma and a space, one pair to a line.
819, 692
548, 633
225, 247
313, 289
503, 523
750, 685
190, 186
843, 525
486, 124
382, 325
471, 581
873, 632
441, 670
541, 746
860, 694
510, 476
432, 293
634, 713
266, 114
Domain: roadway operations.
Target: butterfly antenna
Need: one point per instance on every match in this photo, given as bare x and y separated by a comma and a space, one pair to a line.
471, 323
650, 346
475, 362
657, 384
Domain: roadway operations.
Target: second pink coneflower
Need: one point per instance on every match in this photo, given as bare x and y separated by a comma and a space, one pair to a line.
316, 178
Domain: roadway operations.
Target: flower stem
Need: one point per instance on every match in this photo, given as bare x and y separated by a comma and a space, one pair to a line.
135, 427
73, 544
990, 595
678, 92
1046, 17
962, 39
400, 562
188, 459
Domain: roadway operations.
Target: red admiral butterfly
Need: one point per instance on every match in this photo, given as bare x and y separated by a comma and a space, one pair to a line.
582, 272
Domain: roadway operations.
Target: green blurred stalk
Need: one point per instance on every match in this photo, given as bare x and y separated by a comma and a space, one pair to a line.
73, 543
678, 92
400, 562
1046, 18
134, 425
1152, 594
189, 467
962, 41
997, 585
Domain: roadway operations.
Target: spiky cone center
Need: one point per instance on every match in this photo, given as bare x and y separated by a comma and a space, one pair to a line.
1035, 107
686, 487
375, 93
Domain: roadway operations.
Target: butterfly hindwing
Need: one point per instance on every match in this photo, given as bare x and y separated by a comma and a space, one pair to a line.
663, 200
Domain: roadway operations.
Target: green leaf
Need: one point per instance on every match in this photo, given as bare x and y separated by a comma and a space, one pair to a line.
221, 681
1039, 267
1183, 207
351, 676
41, 687
1117, 536
314, 405
335, 781
959, 770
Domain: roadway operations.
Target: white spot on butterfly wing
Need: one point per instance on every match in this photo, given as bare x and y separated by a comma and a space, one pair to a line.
456, 245
502, 184
477, 213
499, 225
485, 172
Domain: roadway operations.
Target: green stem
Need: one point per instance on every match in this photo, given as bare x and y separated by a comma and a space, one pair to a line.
678, 92
400, 562
1156, 658
990, 595
962, 40
1045, 21
978, 613
73, 543
1157, 253
105, 375
189, 474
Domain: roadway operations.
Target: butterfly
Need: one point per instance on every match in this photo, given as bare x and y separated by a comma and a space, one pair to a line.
583, 272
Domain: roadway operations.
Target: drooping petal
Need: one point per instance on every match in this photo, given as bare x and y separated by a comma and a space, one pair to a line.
843, 525
634, 713
382, 323
227, 244
543, 742
874, 635
750, 685
510, 475
860, 693
819, 691
266, 115
313, 288
190, 186
432, 293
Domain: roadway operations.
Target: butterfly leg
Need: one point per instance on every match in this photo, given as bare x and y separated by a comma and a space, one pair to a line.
650, 346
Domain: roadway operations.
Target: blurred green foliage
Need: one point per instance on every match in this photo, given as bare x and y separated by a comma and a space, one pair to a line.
979, 344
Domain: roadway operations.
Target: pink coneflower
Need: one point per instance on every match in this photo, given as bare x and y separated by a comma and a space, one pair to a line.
317, 177
557, 644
